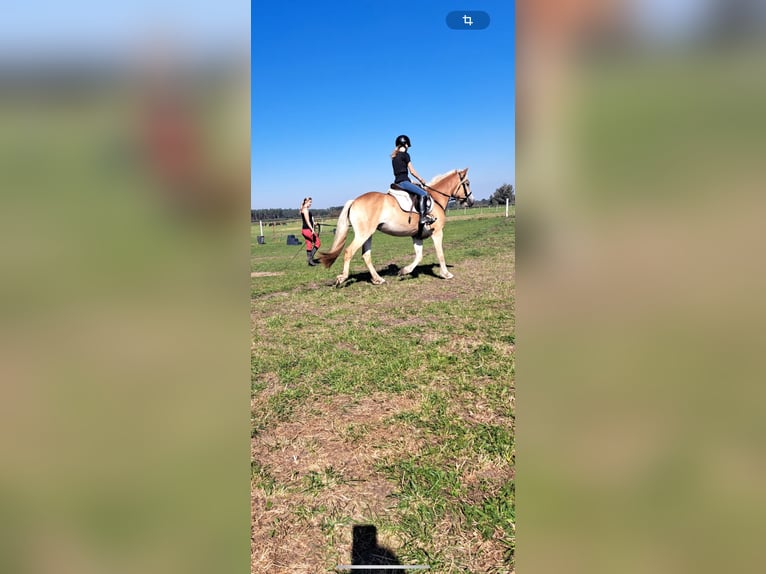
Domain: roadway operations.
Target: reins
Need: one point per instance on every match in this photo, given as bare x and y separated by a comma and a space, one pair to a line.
466, 189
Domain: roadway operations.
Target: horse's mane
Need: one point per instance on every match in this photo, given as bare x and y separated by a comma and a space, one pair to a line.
436, 179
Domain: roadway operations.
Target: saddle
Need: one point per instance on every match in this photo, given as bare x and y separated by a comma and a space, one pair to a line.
405, 200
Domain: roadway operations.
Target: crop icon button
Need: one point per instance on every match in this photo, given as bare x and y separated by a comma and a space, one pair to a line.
468, 20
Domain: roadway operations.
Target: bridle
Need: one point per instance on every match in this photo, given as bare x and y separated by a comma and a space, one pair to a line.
466, 188
464, 182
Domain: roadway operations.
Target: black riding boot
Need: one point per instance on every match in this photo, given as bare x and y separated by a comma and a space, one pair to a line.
422, 207
310, 257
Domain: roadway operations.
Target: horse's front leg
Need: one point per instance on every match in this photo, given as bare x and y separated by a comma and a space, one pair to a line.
418, 245
443, 271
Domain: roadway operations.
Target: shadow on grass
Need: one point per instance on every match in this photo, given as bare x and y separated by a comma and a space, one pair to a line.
392, 272
365, 551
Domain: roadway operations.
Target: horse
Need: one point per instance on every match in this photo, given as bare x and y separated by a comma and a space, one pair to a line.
376, 211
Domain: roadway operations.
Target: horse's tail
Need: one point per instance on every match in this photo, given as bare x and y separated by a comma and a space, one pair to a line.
341, 232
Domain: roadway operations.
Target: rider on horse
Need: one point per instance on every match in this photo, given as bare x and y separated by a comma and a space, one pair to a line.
400, 160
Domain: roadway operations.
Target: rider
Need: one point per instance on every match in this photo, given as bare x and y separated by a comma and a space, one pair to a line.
400, 160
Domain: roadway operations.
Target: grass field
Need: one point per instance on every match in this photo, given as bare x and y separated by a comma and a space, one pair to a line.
390, 406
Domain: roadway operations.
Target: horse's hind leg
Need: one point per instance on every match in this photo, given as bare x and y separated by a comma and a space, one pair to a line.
358, 241
418, 245
367, 256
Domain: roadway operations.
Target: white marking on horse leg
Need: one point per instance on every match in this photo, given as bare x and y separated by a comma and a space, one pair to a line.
418, 245
443, 271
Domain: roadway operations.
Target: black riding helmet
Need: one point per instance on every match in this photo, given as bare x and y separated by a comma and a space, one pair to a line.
403, 140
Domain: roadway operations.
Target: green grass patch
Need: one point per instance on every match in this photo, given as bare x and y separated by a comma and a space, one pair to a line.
439, 354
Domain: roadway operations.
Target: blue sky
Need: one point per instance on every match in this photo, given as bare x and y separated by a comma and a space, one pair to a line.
333, 84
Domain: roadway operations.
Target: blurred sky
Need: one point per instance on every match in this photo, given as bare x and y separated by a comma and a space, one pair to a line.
91, 29
686, 21
333, 84
674, 21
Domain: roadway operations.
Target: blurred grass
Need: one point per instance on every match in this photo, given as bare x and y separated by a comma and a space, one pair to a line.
640, 312
123, 343
666, 122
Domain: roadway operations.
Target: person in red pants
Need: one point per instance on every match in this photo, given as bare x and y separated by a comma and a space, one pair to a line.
308, 231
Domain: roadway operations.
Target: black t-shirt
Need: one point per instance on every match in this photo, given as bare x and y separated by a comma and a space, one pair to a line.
306, 222
400, 162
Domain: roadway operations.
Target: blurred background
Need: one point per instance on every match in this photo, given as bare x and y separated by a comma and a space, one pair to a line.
124, 332
124, 241
641, 137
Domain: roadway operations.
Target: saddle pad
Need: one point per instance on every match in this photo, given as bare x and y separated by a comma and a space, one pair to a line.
403, 198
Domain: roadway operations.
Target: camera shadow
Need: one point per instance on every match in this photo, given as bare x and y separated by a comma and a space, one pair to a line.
365, 551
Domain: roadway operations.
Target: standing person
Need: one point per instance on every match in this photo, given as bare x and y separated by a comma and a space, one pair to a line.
312, 239
402, 164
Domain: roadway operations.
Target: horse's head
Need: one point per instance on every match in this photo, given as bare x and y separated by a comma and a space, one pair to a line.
463, 190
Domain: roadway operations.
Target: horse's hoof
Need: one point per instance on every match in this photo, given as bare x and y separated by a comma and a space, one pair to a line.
378, 281
447, 275
339, 280
403, 272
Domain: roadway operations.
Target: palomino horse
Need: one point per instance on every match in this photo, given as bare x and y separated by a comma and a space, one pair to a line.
380, 211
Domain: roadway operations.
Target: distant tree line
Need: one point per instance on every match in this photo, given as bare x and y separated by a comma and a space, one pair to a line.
280, 213
498, 198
